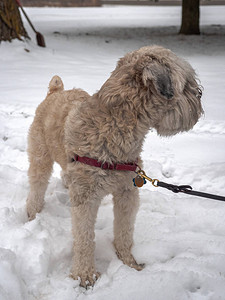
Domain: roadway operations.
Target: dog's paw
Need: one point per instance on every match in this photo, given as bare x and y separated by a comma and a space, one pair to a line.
86, 280
137, 266
128, 259
33, 206
31, 214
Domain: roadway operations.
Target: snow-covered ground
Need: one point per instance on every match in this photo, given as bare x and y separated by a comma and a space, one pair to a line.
180, 238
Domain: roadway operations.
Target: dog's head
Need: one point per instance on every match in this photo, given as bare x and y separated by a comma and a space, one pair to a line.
159, 86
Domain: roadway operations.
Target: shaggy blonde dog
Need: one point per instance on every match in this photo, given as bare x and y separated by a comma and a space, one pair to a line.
149, 88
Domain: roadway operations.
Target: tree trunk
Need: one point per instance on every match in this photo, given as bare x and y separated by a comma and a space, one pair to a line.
190, 17
11, 25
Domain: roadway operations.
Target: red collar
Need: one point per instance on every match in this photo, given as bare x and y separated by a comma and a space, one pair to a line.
106, 166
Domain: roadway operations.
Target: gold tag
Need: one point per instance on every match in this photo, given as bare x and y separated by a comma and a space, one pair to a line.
139, 181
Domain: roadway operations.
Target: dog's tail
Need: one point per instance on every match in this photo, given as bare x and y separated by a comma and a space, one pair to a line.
55, 85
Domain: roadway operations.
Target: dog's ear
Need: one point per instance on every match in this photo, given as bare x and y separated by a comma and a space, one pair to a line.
160, 77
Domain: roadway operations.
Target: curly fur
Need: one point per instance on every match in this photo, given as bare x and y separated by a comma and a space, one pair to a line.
149, 88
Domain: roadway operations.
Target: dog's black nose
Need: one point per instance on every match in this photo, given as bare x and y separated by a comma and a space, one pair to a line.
167, 94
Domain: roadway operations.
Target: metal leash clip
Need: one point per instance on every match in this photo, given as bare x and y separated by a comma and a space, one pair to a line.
140, 179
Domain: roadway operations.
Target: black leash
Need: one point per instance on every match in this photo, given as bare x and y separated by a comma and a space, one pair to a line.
140, 180
187, 189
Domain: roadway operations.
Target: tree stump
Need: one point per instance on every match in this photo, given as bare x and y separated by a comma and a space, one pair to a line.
190, 17
11, 25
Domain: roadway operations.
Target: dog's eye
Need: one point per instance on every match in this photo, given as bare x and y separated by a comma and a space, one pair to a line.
199, 94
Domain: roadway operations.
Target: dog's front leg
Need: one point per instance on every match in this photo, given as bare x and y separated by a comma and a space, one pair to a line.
84, 213
126, 203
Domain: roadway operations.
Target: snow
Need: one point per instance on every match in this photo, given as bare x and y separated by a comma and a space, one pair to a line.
180, 238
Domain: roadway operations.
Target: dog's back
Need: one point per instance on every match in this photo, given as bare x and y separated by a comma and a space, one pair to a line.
50, 117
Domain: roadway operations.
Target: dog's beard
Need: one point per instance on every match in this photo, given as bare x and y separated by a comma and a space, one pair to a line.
182, 117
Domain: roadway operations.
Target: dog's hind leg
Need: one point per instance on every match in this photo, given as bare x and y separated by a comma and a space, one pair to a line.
39, 172
126, 203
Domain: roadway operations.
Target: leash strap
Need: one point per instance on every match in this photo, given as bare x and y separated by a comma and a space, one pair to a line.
187, 189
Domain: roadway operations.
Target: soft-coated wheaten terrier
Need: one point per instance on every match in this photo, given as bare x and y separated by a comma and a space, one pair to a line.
98, 139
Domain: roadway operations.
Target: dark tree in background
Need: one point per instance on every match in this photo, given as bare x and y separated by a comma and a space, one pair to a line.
11, 25
190, 17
